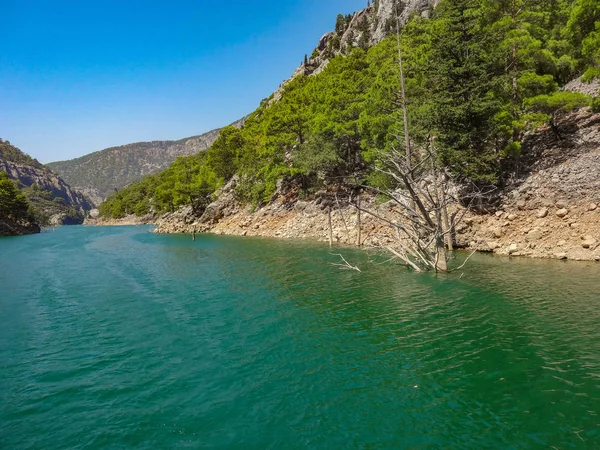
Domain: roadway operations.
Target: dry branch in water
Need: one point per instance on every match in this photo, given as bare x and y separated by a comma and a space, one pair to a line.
346, 265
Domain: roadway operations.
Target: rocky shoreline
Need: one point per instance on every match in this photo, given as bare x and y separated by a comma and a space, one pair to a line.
130, 220
549, 232
551, 212
11, 228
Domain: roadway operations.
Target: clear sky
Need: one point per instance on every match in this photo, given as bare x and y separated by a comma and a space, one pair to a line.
78, 76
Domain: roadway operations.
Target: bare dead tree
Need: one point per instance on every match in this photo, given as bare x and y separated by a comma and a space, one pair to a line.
417, 210
421, 197
418, 202
421, 203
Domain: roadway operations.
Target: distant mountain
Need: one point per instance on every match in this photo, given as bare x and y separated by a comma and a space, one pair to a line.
98, 174
53, 201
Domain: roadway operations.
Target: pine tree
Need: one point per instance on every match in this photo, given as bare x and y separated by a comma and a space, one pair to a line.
460, 82
340, 24
12, 202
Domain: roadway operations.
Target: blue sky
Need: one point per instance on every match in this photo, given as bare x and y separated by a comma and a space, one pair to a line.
78, 76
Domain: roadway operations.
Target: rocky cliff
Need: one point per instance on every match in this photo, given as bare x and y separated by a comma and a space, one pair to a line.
364, 28
48, 193
98, 174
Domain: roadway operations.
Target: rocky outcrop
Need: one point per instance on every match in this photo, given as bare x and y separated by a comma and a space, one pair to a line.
46, 180
102, 172
11, 228
592, 88
386, 10
365, 28
287, 216
93, 219
48, 193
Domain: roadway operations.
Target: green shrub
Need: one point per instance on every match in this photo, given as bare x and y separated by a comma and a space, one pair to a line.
591, 74
559, 101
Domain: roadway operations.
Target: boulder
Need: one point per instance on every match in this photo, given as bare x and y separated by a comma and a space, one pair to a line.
513, 248
562, 212
533, 235
588, 242
493, 245
562, 204
561, 256
542, 213
592, 207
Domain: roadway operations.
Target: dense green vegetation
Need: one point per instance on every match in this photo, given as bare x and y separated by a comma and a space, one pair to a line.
13, 204
478, 74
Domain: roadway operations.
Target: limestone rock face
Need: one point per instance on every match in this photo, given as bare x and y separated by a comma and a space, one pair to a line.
577, 85
62, 204
47, 180
377, 21
386, 11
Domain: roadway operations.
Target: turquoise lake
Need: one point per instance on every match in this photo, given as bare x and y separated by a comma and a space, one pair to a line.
114, 338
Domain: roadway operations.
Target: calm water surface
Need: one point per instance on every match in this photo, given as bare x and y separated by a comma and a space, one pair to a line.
117, 338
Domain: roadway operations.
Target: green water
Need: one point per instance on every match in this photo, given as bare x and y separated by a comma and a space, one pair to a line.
118, 338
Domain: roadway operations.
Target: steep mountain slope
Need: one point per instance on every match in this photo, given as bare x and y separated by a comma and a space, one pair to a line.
52, 198
334, 132
365, 29
100, 173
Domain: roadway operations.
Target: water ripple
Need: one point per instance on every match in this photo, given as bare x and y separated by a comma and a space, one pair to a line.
115, 338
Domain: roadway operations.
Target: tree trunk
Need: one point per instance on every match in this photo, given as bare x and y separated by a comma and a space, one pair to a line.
358, 224
442, 261
330, 227
404, 106
447, 229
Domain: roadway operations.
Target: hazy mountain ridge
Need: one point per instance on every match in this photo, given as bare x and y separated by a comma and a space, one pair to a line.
98, 174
